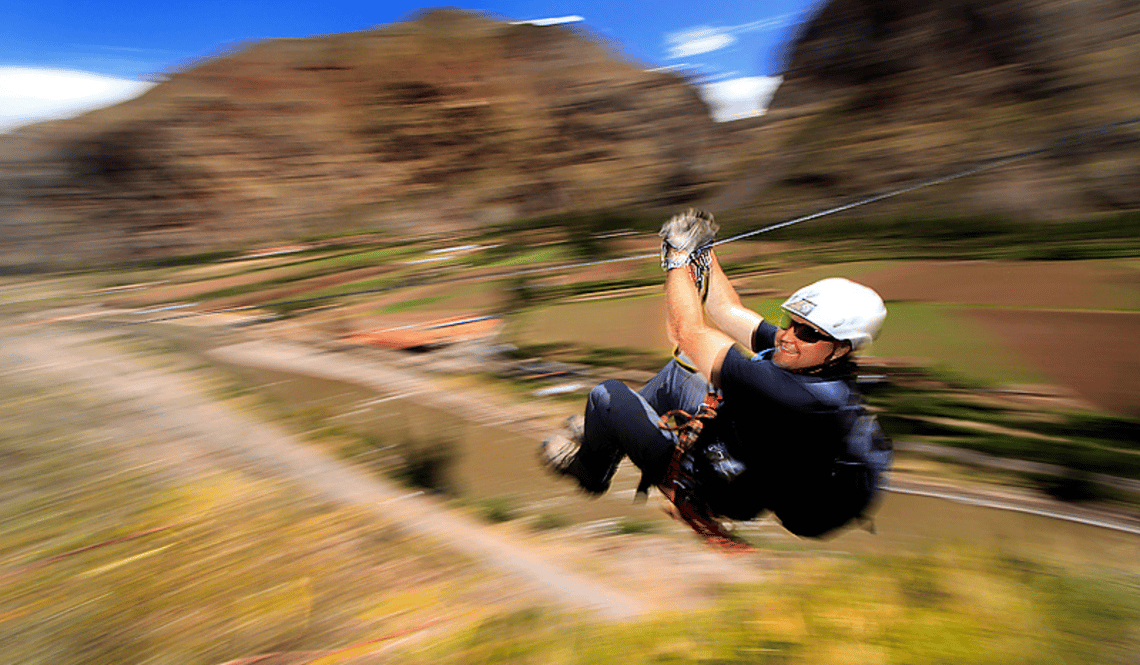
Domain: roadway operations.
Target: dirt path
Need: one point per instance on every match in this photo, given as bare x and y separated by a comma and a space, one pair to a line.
192, 430
479, 406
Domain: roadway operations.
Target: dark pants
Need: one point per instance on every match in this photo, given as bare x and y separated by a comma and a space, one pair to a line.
621, 422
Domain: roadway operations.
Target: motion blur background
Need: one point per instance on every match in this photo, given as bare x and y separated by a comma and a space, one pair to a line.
289, 295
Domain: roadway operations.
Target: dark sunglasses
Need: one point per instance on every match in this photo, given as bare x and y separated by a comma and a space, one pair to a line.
804, 332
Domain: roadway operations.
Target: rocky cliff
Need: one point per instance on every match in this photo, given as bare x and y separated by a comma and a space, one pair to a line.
456, 121
448, 121
879, 92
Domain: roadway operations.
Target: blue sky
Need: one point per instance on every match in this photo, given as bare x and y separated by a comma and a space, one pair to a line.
106, 48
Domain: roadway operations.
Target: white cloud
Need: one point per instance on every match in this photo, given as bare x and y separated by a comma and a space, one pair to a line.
704, 39
558, 20
29, 94
744, 97
698, 40
763, 25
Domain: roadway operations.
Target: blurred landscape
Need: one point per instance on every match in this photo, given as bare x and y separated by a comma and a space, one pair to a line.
282, 334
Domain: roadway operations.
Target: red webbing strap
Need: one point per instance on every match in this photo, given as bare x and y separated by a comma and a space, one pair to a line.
678, 486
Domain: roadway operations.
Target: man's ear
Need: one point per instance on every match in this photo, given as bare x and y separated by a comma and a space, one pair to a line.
841, 349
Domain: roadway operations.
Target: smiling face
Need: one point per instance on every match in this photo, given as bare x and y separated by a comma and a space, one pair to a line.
796, 355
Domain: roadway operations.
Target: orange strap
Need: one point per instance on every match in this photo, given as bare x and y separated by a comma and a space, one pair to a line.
679, 487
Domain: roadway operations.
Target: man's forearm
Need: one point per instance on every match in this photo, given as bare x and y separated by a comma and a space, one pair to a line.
704, 345
725, 310
721, 292
682, 304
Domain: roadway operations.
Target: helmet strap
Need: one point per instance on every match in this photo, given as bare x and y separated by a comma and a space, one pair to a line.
847, 349
832, 362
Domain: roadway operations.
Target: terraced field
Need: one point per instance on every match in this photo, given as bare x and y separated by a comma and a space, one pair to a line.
188, 398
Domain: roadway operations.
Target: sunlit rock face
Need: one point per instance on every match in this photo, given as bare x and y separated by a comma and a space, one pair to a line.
446, 122
879, 92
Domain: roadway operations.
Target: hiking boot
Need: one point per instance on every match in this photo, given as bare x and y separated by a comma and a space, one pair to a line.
558, 452
559, 455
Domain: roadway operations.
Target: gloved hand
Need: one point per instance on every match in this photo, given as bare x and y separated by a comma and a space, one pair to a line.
685, 237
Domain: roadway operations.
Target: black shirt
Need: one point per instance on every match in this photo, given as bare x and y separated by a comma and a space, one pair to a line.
785, 427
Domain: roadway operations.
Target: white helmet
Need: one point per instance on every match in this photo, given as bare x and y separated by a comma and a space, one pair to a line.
841, 308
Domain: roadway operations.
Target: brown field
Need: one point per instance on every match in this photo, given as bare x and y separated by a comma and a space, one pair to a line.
1113, 285
1107, 284
622, 322
1093, 353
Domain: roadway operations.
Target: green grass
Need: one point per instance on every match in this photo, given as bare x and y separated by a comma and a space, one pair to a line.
632, 526
528, 256
1080, 442
254, 287
407, 305
599, 221
1066, 454
946, 606
1119, 432
548, 521
107, 557
636, 323
499, 509
181, 261
358, 258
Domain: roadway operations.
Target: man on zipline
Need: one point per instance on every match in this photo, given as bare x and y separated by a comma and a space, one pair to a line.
768, 418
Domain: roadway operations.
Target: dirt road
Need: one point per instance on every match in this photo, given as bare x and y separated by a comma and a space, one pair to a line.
480, 406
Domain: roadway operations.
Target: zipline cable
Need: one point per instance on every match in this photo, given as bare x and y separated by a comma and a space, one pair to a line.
987, 165
1073, 138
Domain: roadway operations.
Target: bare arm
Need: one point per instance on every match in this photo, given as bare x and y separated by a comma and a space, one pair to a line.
724, 308
704, 345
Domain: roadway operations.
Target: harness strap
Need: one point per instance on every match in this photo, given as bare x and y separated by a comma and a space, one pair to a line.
680, 487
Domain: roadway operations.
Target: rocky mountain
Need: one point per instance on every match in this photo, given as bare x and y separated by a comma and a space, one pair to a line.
880, 92
455, 121
448, 121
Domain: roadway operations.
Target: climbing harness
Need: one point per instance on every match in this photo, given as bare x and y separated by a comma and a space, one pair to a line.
679, 486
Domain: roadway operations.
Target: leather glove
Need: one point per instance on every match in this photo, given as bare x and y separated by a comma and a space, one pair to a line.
686, 237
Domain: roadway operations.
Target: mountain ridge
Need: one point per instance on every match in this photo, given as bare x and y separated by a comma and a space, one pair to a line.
883, 92
454, 121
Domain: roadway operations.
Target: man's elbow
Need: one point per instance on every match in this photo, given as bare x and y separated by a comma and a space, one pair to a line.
687, 334
706, 348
